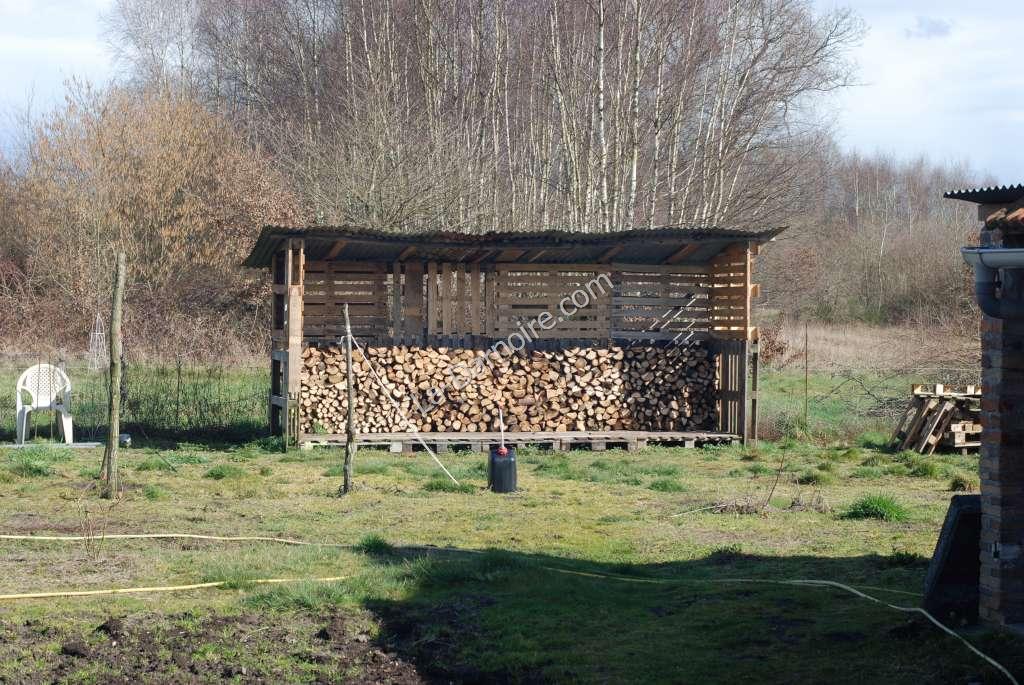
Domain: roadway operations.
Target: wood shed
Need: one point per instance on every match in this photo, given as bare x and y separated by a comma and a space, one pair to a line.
562, 337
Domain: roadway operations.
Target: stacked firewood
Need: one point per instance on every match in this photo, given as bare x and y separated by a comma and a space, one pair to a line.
575, 389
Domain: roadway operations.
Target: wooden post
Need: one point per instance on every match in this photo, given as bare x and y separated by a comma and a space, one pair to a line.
755, 372
108, 471
350, 425
807, 373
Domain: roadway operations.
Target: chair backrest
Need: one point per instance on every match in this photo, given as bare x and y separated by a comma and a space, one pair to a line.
44, 383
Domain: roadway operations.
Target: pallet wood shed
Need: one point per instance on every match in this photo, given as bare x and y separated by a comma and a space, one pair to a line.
664, 287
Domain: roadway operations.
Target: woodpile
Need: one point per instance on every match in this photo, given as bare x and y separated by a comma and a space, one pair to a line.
940, 415
575, 389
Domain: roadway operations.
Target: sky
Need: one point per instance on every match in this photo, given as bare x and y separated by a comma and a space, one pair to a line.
940, 77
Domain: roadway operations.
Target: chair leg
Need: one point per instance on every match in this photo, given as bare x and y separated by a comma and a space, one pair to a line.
68, 430
21, 425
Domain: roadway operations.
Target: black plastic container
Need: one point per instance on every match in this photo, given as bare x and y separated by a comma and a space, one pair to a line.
501, 469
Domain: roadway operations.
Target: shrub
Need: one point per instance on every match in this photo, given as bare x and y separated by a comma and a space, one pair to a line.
666, 485
445, 485
222, 471
879, 506
962, 482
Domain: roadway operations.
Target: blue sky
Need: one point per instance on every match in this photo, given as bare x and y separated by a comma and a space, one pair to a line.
940, 77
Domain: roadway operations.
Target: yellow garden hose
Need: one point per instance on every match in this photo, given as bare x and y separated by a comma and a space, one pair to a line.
591, 574
804, 583
167, 536
164, 588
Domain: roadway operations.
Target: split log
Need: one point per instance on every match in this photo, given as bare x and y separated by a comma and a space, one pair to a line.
580, 388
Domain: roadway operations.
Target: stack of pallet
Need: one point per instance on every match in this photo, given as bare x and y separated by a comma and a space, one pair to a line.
940, 415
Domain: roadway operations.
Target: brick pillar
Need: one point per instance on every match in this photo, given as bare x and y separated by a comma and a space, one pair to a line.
1002, 454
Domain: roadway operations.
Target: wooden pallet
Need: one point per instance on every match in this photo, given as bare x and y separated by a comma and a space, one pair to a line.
565, 440
939, 415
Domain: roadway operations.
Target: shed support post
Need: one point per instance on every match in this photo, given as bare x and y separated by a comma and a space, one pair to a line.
287, 337
744, 372
755, 372
293, 335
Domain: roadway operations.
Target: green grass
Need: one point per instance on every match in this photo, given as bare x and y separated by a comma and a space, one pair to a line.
25, 466
446, 485
867, 472
667, 485
962, 482
155, 463
596, 570
878, 506
225, 471
374, 544
154, 493
213, 401
815, 478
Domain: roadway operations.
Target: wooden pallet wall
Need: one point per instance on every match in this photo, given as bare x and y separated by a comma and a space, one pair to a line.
660, 305
329, 285
731, 291
523, 292
446, 303
732, 384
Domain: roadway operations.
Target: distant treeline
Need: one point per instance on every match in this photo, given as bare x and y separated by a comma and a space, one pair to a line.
475, 116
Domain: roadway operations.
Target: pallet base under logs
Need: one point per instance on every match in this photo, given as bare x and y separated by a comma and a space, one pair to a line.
595, 440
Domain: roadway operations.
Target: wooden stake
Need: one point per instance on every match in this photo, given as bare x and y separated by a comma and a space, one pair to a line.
108, 470
807, 355
350, 428
755, 374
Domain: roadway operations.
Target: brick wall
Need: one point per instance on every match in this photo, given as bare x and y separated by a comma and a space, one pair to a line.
1002, 454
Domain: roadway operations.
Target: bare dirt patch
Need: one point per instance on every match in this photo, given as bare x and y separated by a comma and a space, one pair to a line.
185, 648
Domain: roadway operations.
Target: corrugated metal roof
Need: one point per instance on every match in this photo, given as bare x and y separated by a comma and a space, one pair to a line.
995, 195
640, 246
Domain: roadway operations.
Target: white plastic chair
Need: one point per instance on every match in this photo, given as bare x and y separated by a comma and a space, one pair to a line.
48, 389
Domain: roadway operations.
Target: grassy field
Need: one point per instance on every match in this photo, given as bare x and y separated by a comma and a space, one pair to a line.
159, 401
605, 567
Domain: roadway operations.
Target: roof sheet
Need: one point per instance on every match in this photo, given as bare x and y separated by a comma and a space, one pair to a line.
642, 246
989, 196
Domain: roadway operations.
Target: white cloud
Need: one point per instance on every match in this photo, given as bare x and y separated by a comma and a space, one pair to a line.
929, 27
959, 94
